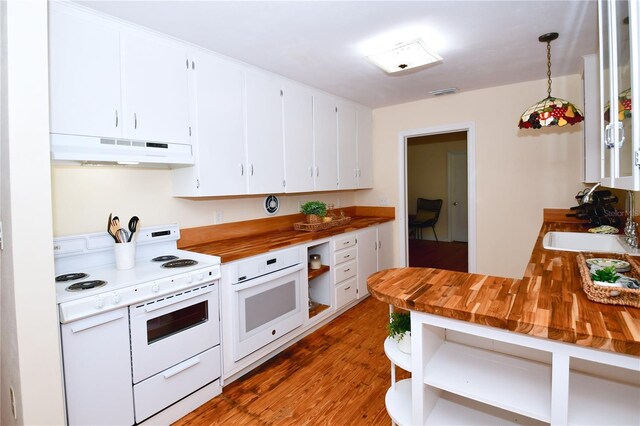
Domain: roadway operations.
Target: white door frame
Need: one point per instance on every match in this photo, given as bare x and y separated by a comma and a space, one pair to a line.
450, 224
469, 127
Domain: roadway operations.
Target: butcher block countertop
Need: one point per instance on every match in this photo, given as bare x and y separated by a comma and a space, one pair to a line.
548, 302
244, 239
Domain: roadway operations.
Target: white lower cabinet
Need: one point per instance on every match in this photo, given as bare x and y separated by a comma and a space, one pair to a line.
466, 373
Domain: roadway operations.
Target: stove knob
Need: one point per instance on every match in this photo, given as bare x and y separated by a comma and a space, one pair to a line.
99, 302
115, 298
200, 277
189, 279
155, 288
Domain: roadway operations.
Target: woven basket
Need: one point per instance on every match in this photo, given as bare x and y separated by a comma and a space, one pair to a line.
300, 226
602, 294
313, 218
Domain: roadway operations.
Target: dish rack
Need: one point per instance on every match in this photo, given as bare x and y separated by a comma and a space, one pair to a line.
609, 295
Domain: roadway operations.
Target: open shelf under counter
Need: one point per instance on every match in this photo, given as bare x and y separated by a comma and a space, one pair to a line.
317, 308
398, 402
596, 401
511, 383
395, 355
314, 273
455, 410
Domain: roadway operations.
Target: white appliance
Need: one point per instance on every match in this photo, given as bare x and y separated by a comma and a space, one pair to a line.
267, 299
135, 341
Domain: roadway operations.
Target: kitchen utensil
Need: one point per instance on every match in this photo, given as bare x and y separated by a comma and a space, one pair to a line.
123, 235
133, 225
109, 227
115, 225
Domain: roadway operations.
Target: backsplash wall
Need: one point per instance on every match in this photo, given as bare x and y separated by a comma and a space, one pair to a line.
83, 197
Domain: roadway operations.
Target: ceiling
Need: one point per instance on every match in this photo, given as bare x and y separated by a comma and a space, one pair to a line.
323, 43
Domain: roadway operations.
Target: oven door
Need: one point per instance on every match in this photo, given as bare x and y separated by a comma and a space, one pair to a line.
265, 309
168, 330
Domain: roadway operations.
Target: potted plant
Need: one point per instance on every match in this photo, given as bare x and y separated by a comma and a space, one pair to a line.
400, 330
314, 210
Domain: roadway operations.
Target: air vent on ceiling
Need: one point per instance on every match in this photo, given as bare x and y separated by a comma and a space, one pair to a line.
441, 92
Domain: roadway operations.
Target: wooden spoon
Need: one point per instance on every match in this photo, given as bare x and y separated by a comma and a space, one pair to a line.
115, 225
109, 222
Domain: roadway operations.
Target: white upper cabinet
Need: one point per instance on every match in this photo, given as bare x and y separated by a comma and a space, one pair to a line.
217, 91
155, 95
298, 138
347, 150
620, 90
265, 148
325, 139
365, 148
84, 71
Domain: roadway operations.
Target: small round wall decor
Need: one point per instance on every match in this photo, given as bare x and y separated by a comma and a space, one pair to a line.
271, 204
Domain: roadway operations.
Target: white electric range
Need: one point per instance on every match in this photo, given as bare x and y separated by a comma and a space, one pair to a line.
136, 341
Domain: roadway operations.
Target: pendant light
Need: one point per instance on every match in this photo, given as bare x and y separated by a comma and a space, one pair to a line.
550, 111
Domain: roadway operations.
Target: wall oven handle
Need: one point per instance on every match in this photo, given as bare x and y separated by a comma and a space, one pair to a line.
176, 299
167, 374
96, 322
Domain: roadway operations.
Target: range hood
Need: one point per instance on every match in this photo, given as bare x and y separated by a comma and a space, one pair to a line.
96, 150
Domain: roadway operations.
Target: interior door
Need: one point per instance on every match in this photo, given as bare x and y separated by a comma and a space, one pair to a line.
458, 208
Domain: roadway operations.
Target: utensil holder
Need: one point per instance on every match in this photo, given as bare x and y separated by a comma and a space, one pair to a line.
125, 255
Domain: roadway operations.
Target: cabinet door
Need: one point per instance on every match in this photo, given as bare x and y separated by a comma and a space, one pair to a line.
365, 148
325, 143
219, 129
385, 246
155, 92
97, 369
347, 154
84, 70
367, 258
298, 139
265, 150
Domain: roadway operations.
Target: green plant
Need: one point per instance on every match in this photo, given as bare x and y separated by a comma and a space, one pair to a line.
607, 275
400, 324
314, 207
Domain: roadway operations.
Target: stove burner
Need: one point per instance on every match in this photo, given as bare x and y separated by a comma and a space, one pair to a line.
180, 263
164, 258
71, 277
86, 285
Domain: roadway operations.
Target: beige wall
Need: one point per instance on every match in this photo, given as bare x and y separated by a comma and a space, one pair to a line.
83, 197
518, 172
427, 177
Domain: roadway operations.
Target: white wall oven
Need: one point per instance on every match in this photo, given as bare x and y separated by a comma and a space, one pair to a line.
266, 300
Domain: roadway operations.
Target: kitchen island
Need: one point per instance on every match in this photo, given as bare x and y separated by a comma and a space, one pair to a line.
492, 349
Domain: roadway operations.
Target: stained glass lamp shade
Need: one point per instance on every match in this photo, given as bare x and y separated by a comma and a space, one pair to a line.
550, 111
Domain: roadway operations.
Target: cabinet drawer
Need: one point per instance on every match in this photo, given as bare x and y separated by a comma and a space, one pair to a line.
344, 255
345, 271
344, 242
346, 292
165, 388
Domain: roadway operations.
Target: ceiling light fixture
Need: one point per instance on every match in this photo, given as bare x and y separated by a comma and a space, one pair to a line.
441, 92
404, 56
550, 111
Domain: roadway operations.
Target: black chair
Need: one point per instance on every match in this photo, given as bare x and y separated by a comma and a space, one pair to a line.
426, 216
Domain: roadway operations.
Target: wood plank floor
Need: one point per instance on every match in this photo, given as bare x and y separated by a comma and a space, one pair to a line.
453, 256
338, 375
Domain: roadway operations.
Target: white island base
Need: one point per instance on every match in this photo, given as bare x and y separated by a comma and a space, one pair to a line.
478, 375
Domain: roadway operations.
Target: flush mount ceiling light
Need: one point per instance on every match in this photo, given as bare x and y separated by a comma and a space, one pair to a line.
550, 111
404, 56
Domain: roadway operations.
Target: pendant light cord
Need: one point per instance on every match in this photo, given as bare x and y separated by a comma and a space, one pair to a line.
549, 68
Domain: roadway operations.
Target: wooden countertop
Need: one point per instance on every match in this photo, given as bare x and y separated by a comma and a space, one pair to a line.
250, 245
548, 302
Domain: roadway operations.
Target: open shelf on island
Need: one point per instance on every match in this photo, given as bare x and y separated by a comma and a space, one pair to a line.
313, 273
398, 402
315, 308
395, 355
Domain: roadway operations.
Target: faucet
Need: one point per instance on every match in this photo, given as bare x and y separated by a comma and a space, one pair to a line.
631, 237
588, 197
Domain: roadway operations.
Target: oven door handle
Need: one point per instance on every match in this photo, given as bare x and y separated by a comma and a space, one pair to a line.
175, 299
167, 374
95, 322
267, 277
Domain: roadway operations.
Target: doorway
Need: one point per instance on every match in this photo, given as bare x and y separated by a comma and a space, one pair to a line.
449, 162
437, 190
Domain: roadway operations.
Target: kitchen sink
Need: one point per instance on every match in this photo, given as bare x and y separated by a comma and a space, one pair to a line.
584, 241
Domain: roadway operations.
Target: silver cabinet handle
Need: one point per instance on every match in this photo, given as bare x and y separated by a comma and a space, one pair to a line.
607, 137
347, 270
347, 288
346, 256
311, 171
241, 169
135, 120
252, 170
197, 183
116, 118
317, 171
